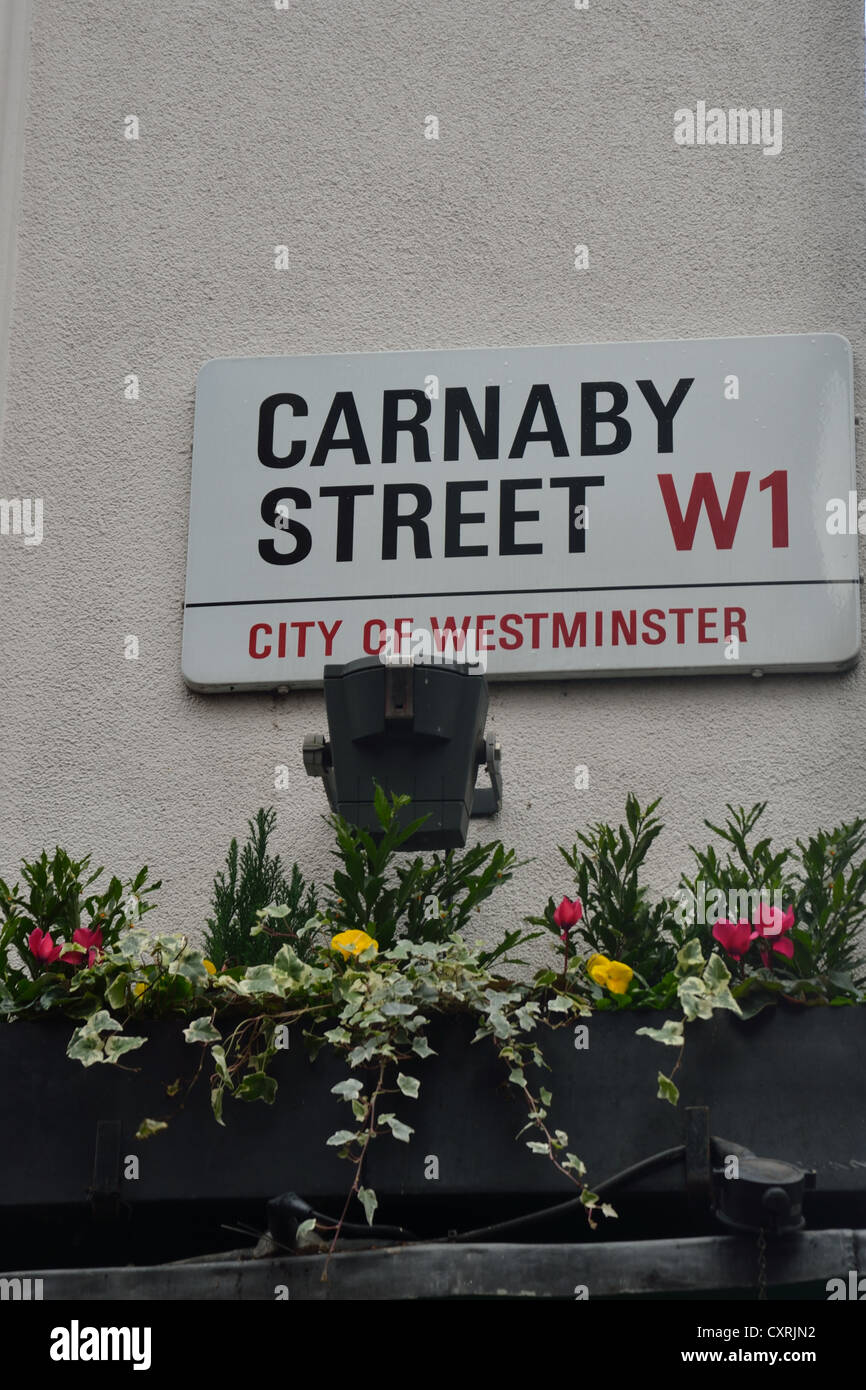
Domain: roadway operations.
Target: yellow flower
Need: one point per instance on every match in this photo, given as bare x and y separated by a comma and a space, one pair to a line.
209, 967
597, 967
352, 943
619, 977
612, 974
139, 989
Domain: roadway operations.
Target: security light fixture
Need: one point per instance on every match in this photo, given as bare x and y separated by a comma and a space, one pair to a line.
415, 729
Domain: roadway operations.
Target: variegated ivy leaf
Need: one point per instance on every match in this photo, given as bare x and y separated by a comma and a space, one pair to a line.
667, 1089
100, 1022
150, 1127
559, 1004
368, 1200
305, 1229
85, 1048
500, 1025
526, 1016
397, 1127
190, 964
694, 998
717, 977
670, 1033
690, 958
340, 1137
257, 1085
536, 1146
350, 1088
422, 1047
262, 979
219, 1057
338, 1035
119, 1043
715, 971
409, 1085
202, 1030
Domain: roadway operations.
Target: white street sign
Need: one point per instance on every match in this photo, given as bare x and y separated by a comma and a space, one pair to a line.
597, 510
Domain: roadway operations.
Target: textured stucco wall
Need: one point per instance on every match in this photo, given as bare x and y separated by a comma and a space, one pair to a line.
261, 127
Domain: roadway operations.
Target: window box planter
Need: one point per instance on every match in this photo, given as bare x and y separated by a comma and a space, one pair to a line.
787, 1084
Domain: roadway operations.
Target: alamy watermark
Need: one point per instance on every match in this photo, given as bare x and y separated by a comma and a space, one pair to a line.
446, 646
737, 905
22, 516
736, 126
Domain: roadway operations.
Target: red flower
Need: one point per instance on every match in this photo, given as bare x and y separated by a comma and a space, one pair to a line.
42, 947
770, 923
734, 937
90, 939
567, 915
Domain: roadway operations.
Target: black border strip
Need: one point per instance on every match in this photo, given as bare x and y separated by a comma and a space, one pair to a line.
494, 593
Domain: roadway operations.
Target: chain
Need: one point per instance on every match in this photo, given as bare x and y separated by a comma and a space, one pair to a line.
762, 1264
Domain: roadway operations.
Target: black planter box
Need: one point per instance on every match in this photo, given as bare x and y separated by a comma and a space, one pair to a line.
788, 1085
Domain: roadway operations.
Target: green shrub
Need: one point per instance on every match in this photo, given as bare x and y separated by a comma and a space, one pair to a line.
253, 879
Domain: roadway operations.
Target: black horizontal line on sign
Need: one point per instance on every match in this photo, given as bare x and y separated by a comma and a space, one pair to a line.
494, 593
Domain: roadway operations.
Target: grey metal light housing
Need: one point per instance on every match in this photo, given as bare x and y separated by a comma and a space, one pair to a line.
415, 729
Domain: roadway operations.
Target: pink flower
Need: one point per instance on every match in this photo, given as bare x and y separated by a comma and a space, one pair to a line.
42, 947
770, 923
734, 937
90, 939
567, 915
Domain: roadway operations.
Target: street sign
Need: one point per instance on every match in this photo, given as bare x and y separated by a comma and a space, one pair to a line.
598, 510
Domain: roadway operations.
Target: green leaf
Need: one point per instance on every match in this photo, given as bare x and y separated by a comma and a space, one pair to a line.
667, 1090
305, 1229
397, 1127
102, 1022
340, 1137
690, 959
216, 1101
220, 1064
537, 1146
671, 1032
350, 1089
85, 1048
147, 1128
117, 1045
368, 1200
715, 971
257, 1085
409, 1085
116, 992
559, 1004
202, 1030
693, 996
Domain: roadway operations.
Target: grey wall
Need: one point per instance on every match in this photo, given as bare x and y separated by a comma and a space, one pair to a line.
260, 127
